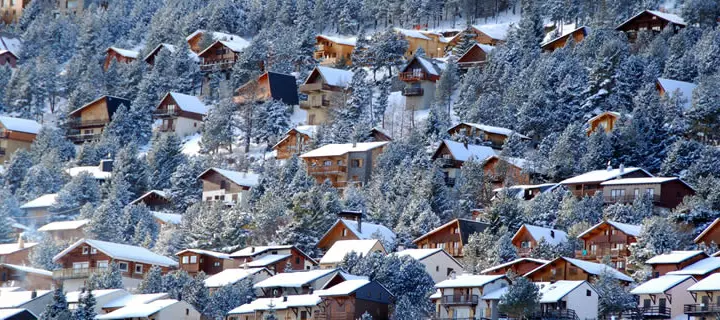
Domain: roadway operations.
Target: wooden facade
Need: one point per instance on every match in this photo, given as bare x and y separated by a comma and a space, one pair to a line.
268, 86
372, 298
662, 268
17, 253
119, 56
649, 20
604, 121
220, 185
295, 142
434, 44
486, 37
663, 192
589, 188
194, 261
7, 58
13, 140
562, 269
577, 35
474, 57
331, 50
217, 57
518, 266
322, 96
451, 236
175, 119
348, 168
88, 122
607, 239
25, 277
711, 234
11, 10
503, 172
155, 200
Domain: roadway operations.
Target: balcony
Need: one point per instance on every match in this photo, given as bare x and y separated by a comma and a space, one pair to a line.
82, 137
307, 104
657, 312
79, 123
566, 314
524, 252
320, 170
166, 128
412, 76
73, 273
166, 113
448, 163
600, 252
460, 300
655, 198
219, 65
318, 86
701, 309
413, 92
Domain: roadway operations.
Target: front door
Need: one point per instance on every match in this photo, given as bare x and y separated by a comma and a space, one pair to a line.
662, 304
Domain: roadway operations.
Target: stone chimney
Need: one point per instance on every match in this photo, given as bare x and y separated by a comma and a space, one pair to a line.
33, 294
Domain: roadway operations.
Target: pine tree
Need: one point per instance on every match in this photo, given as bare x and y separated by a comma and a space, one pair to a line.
106, 221
613, 299
7, 231
82, 189
218, 128
52, 139
109, 278
86, 306
152, 281
445, 87
478, 252
42, 255
47, 176
185, 188
163, 159
229, 297
139, 225
522, 298
57, 309
129, 167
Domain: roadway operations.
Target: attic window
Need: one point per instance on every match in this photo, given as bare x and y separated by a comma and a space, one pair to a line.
223, 184
344, 232
588, 293
85, 250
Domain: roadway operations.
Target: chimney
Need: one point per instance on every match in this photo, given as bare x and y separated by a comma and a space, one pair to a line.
359, 220
354, 143
609, 166
106, 165
311, 290
552, 234
622, 168
284, 298
33, 294
21, 241
252, 249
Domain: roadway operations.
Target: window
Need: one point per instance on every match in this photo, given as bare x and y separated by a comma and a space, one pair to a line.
93, 251
578, 187
297, 260
85, 250
123, 266
573, 271
344, 232
357, 163
138, 268
617, 193
620, 246
103, 264
650, 191
185, 260
327, 163
235, 197
339, 162
223, 184
620, 265
193, 259
636, 192
216, 264
437, 268
588, 293
525, 244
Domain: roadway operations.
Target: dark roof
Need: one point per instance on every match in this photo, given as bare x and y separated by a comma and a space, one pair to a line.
283, 87
468, 227
113, 103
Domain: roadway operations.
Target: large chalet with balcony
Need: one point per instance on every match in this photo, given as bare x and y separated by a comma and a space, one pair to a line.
651, 21
529, 236
608, 238
276, 259
326, 88
664, 192
420, 75
451, 155
88, 122
587, 184
343, 164
706, 295
451, 236
296, 141
180, 114
88, 256
576, 35
230, 187
563, 268
15, 134
475, 56
481, 134
329, 50
193, 261
491, 34
222, 54
467, 296
432, 43
507, 171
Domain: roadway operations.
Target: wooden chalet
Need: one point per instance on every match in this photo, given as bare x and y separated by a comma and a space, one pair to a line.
651, 20
12, 10
150, 57
222, 54
269, 86
7, 58
491, 34
711, 234
451, 236
15, 134
484, 134
16, 253
587, 184
518, 266
37, 211
231, 187
604, 121
345, 229
88, 122
577, 35
451, 155
608, 238
529, 236
506, 171
74, 7
379, 135
193, 261
326, 88
469, 296
119, 56
420, 75
664, 192
343, 164
154, 199
65, 231
563, 268
299, 283
351, 299
296, 141
674, 261
276, 259
701, 269
475, 56
87, 256
432, 43
329, 50
180, 114
25, 277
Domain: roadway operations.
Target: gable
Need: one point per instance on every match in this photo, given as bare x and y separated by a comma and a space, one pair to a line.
474, 54
314, 77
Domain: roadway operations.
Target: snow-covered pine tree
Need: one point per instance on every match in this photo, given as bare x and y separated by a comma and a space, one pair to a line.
164, 157
185, 187
9, 205
478, 253
57, 309
131, 168
218, 127
82, 189
86, 306
47, 176
106, 221
229, 297
614, 299
446, 85
109, 278
52, 139
152, 281
169, 240
139, 225
522, 298
42, 254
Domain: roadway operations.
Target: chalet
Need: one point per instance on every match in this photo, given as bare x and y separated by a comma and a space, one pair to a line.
8, 58
28, 278
37, 210
525, 192
701, 269
154, 199
87, 122
163, 309
675, 88
650, 20
296, 283
296, 141
604, 121
587, 184
433, 44
664, 192
420, 75
287, 307
118, 55
706, 298
483, 134
664, 297
559, 42
674, 261
269, 86
34, 301
17, 314
102, 297
73, 7
130, 299
343, 164
15, 134
438, 263
65, 231
475, 56
710, 235
353, 298
563, 268
451, 236
277, 259
87, 256
102, 172
491, 34
465, 297
504, 171
12, 10
150, 58
568, 300
193, 261
608, 238
379, 135
329, 50
221, 55
518, 266
200, 39
231, 187
235, 275
326, 88
528, 237
181, 114
345, 229
16, 253
451, 155
340, 249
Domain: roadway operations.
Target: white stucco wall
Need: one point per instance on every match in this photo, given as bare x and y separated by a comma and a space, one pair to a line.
436, 266
585, 307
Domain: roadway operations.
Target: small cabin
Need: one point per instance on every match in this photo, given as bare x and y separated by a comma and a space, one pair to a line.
651, 20
576, 35
120, 56
475, 56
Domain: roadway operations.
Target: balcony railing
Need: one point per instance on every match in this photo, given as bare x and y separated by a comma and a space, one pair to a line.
656, 312
412, 76
314, 104
318, 86
701, 309
75, 273
166, 113
566, 314
327, 169
83, 137
412, 92
655, 198
448, 163
217, 65
87, 123
166, 128
601, 252
524, 252
460, 300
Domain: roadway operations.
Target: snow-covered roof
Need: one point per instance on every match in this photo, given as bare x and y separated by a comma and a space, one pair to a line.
468, 281
125, 52
342, 248
348, 41
343, 288
95, 171
543, 187
230, 276
119, 251
602, 175
611, 113
701, 267
585, 30
335, 77
661, 284
134, 299
293, 279
494, 31
256, 250
648, 180
367, 230
338, 149
293, 301
246, 179
711, 283
8, 248
9, 313
554, 292
462, 152
74, 296
43, 201
64, 225
139, 310
17, 299
431, 66
189, 103
597, 268
215, 254
27, 269
629, 229
674, 257
309, 130
674, 86
267, 260
20, 125
172, 218
436, 295
492, 129
669, 17
412, 33
419, 254
551, 236
159, 193
495, 294
506, 264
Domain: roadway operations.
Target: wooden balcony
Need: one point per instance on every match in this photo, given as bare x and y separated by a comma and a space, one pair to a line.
412, 76
524, 252
460, 300
166, 113
82, 137
220, 65
307, 104
655, 198
321, 170
656, 312
601, 252
448, 163
79, 123
701, 309
166, 128
73, 273
412, 92
313, 87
